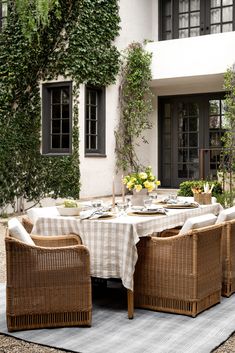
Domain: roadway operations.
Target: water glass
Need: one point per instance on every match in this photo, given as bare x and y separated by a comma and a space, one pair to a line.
122, 207
147, 203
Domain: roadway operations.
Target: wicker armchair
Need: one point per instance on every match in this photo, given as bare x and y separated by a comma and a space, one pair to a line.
47, 286
180, 274
228, 258
27, 223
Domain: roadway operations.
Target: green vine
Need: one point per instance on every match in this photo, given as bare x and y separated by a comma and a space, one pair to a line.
228, 139
135, 106
78, 45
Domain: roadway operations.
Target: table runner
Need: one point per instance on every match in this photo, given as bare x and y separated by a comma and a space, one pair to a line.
112, 242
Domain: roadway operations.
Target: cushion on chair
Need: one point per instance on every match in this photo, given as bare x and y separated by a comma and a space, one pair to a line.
198, 222
226, 215
17, 231
36, 212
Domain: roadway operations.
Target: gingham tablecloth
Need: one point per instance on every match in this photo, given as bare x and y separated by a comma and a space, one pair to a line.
112, 243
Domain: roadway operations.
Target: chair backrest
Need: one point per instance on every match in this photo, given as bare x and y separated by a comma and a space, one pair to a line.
198, 222
226, 215
35, 212
16, 230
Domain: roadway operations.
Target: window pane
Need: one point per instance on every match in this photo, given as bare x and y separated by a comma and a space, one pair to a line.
215, 139
65, 111
55, 141
93, 142
56, 112
167, 8
214, 107
227, 2
194, 32
4, 9
65, 141
93, 97
168, 23
183, 33
167, 125
65, 126
65, 95
193, 109
183, 21
167, 110
228, 27
215, 3
93, 113
93, 127
193, 155
183, 5
225, 123
193, 124
193, 172
227, 14
167, 140
215, 29
183, 140
55, 126
195, 19
56, 95
215, 16
195, 5
193, 140
182, 171
182, 155
214, 122
183, 124
167, 156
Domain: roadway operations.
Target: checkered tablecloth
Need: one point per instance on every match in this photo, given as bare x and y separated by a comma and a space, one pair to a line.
112, 243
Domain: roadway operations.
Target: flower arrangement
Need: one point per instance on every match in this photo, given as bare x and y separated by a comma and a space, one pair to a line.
142, 180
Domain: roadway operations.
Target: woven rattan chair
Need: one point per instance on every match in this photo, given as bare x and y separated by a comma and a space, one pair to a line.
228, 258
47, 286
180, 274
27, 223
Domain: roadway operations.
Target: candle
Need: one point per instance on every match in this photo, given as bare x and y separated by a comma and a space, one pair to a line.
113, 199
123, 190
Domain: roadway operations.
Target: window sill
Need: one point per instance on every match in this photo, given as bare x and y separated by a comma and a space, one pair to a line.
95, 155
56, 154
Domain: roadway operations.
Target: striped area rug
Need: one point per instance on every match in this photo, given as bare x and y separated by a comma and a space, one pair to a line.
148, 332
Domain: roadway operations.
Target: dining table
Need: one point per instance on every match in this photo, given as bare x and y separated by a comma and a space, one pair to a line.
112, 241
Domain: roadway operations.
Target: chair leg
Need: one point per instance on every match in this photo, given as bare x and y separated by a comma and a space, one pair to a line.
130, 303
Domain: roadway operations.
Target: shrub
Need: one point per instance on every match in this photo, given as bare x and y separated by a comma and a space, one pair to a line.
185, 188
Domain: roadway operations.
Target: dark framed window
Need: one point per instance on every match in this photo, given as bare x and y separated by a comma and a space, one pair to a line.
95, 121
190, 18
57, 118
3, 12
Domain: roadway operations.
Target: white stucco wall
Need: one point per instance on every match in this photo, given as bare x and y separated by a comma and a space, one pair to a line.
97, 172
192, 64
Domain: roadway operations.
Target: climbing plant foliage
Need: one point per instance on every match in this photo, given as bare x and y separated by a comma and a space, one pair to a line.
228, 139
135, 106
77, 44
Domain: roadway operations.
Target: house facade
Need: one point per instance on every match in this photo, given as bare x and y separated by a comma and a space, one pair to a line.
192, 46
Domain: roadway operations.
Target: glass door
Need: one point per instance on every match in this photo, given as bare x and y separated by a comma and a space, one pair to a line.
191, 128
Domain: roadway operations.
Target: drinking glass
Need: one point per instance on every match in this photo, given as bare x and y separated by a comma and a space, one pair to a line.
122, 207
147, 203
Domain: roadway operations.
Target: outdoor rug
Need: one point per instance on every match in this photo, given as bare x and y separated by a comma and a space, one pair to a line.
148, 332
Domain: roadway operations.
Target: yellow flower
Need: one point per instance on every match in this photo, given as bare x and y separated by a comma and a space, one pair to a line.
143, 175
157, 182
147, 184
129, 185
138, 187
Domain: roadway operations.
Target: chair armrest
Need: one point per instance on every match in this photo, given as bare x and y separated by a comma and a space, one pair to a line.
56, 240
36, 266
27, 224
